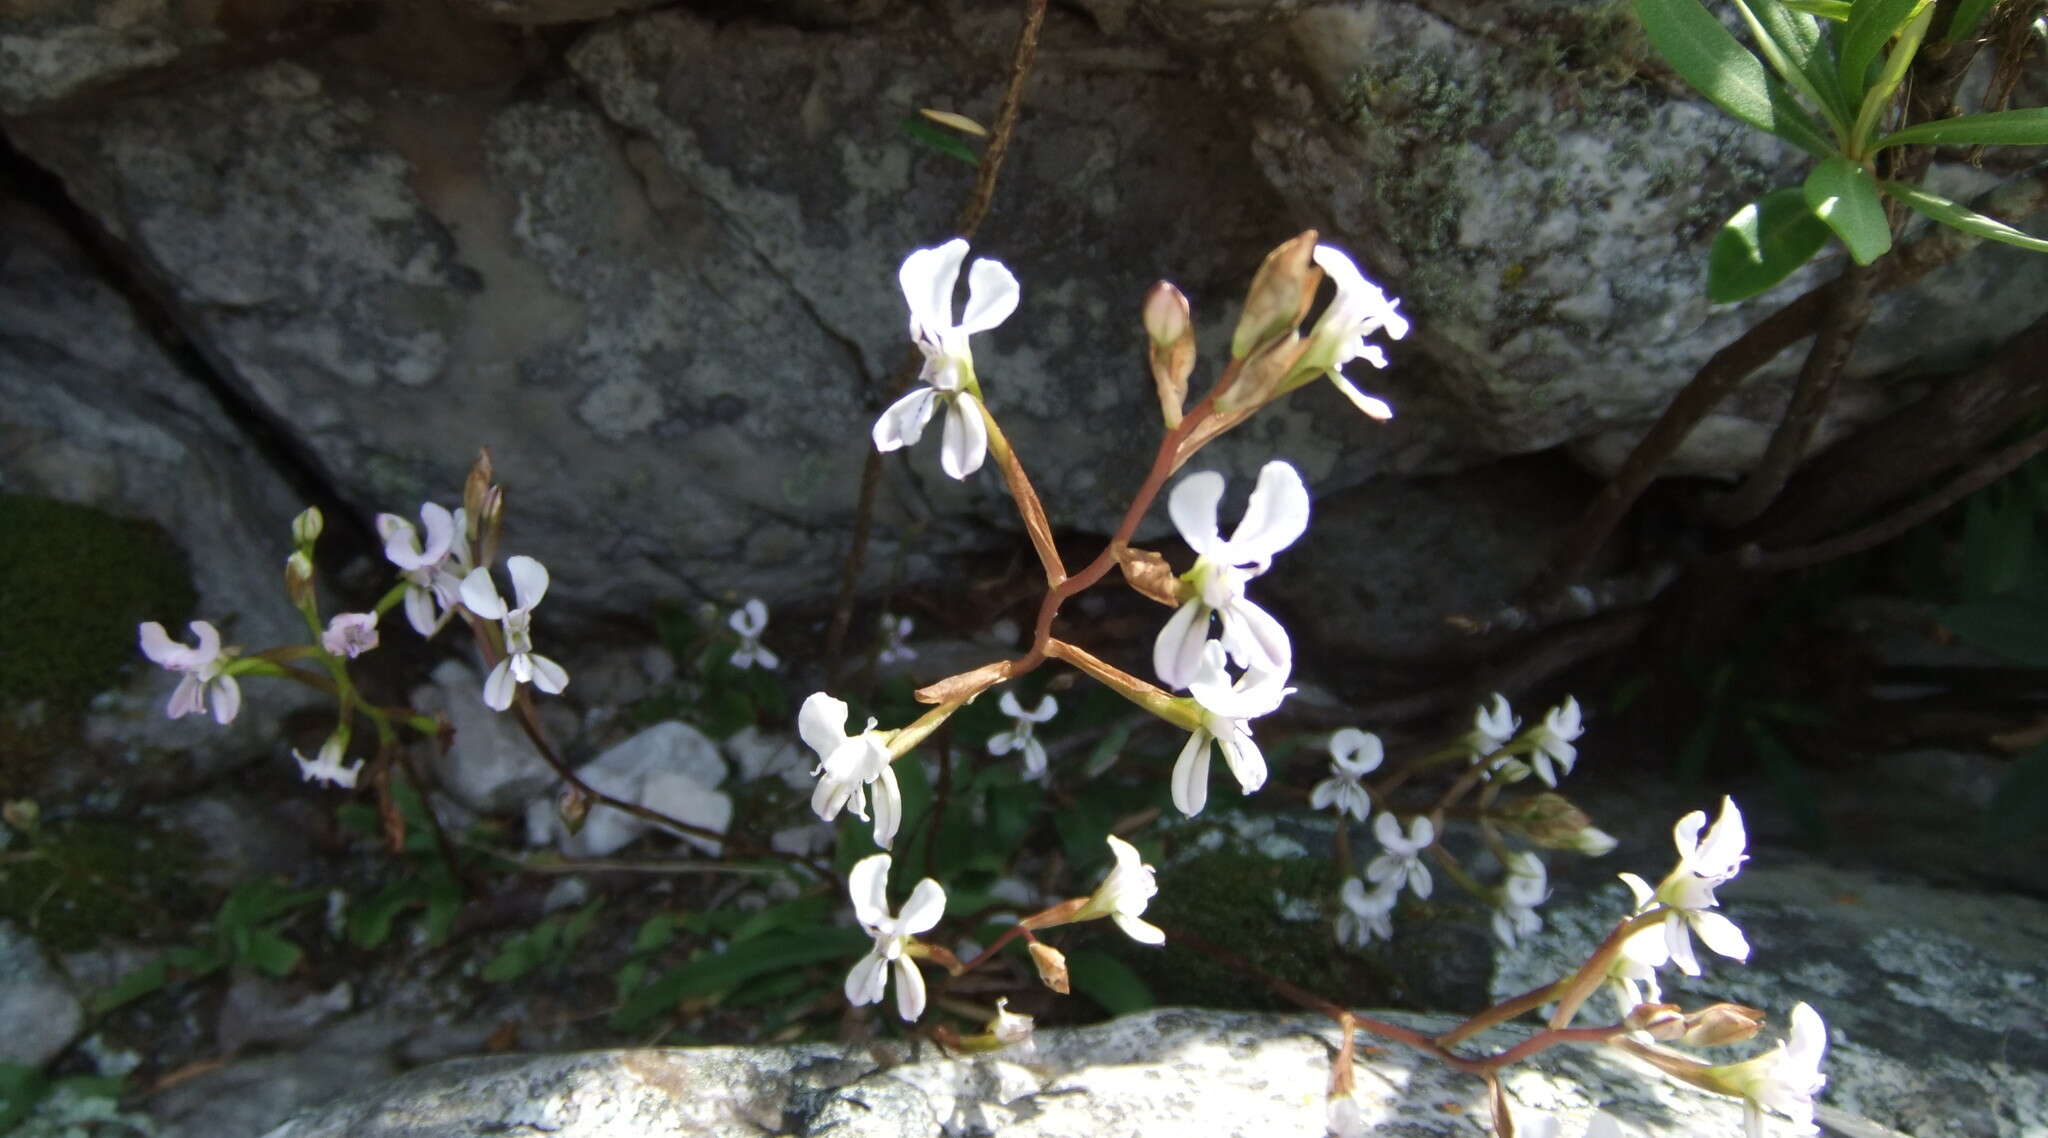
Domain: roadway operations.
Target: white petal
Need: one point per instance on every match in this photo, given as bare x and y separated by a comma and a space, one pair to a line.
1325, 792
1034, 758
1245, 759
158, 645
227, 700
822, 724
1357, 752
865, 983
1686, 834
529, 580
888, 807
749, 619
1720, 934
440, 534
401, 542
1721, 851
1419, 879
480, 595
498, 686
1421, 832
1177, 651
1001, 742
868, 885
1374, 407
965, 442
548, 676
1679, 942
992, 294
903, 423
1138, 930
926, 905
1639, 887
766, 659
1191, 774
419, 610
928, 277
1192, 506
188, 698
1387, 829
1254, 639
1276, 515
1009, 706
909, 989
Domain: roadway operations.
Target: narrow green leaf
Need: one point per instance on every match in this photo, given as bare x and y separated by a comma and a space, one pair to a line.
271, 953
1888, 79
2027, 126
1706, 56
1964, 23
1108, 981
1842, 194
708, 975
1792, 44
1960, 217
369, 921
1761, 245
655, 933
942, 141
1872, 24
1836, 10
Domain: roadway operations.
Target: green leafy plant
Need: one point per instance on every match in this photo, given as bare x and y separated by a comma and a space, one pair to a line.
247, 930
1825, 83
429, 883
73, 1100
548, 946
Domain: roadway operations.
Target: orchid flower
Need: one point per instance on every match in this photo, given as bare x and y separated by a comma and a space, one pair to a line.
748, 621
1353, 755
202, 667
328, 766
1367, 914
350, 634
1226, 711
1402, 860
896, 647
1493, 725
1552, 739
849, 764
1526, 887
1687, 892
894, 935
928, 277
433, 572
1784, 1079
521, 664
1123, 894
1359, 309
1020, 737
1275, 516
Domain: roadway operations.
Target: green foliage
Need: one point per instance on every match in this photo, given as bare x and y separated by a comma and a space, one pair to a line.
1844, 195
74, 583
84, 881
83, 1098
548, 945
1762, 245
1706, 56
931, 136
428, 883
246, 931
708, 692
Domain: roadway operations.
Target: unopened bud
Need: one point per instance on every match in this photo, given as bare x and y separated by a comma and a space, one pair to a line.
574, 807
1052, 966
1172, 350
1279, 295
489, 519
1551, 820
298, 578
307, 526
479, 481
1720, 1025
1662, 1021
1261, 378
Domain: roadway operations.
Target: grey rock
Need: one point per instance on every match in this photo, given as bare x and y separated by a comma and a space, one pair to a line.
243, 837
39, 1008
758, 754
250, 1096
671, 767
491, 766
257, 1009
52, 49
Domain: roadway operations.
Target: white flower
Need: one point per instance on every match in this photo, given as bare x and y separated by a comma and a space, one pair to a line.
1492, 726
1687, 893
1020, 736
848, 764
520, 664
1011, 1029
1123, 894
350, 634
1402, 860
869, 886
1601, 1125
1227, 710
1525, 887
1274, 517
328, 766
202, 667
1358, 310
1353, 755
748, 621
928, 277
1367, 915
1632, 977
1784, 1079
1553, 740
896, 647
433, 572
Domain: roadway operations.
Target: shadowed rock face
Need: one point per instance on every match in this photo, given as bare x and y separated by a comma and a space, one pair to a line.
649, 257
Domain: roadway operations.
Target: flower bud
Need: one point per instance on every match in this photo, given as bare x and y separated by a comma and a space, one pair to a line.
1720, 1025
1052, 966
479, 481
1279, 295
298, 578
307, 526
488, 520
1551, 820
574, 807
1172, 351
1662, 1021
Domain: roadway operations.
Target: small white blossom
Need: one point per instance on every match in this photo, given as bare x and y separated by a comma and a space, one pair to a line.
1402, 860
1011, 1029
1021, 737
847, 764
1492, 726
202, 667
1632, 977
1123, 894
1358, 310
896, 647
1784, 1079
868, 884
1353, 755
328, 766
1552, 740
1276, 515
928, 277
1525, 887
1227, 710
749, 621
350, 634
521, 664
1687, 893
1367, 914
433, 571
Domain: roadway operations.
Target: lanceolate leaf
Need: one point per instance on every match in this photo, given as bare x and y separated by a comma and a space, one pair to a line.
1968, 220
1761, 245
1872, 23
2027, 126
1804, 58
1836, 10
1702, 51
1968, 14
1843, 195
